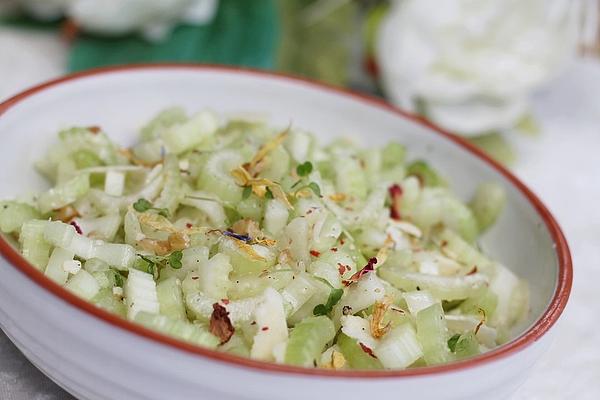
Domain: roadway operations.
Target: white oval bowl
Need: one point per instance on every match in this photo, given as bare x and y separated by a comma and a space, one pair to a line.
95, 355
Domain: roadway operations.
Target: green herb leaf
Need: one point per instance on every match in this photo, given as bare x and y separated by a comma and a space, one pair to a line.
334, 297
452, 342
175, 259
269, 194
142, 205
246, 192
304, 169
162, 211
118, 278
315, 188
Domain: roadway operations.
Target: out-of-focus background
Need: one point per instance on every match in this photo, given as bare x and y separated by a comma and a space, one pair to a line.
519, 78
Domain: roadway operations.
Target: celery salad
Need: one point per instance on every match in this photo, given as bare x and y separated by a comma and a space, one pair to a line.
263, 243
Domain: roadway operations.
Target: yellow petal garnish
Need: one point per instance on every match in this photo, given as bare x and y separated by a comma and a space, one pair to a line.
379, 309
337, 197
156, 222
264, 150
382, 254
259, 185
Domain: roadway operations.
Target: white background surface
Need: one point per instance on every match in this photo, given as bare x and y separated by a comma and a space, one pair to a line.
562, 165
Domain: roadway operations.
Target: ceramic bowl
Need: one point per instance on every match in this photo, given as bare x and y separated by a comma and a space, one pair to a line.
95, 355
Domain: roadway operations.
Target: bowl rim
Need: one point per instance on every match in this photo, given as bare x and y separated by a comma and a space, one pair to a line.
527, 338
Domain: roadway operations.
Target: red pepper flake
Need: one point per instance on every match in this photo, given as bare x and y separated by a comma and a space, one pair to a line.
94, 129
341, 268
315, 253
395, 192
77, 227
367, 350
220, 324
342, 241
264, 328
225, 301
253, 323
334, 249
473, 271
444, 243
195, 277
188, 225
359, 274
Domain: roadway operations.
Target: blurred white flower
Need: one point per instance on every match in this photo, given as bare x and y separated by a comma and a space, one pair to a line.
473, 63
153, 18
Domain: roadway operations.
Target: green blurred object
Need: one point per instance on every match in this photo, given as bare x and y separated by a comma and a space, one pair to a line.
317, 38
244, 33
496, 146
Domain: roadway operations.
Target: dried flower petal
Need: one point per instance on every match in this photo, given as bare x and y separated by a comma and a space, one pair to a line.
359, 274
220, 324
379, 310
395, 192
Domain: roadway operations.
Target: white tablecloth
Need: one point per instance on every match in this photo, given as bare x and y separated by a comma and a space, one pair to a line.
562, 166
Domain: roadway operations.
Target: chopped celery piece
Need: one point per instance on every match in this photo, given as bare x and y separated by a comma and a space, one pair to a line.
140, 294
83, 285
426, 175
64, 194
308, 339
442, 287
355, 355
191, 133
399, 348
487, 204
109, 301
55, 269
392, 155
272, 328
433, 334
13, 215
164, 119
184, 330
466, 346
34, 246
170, 298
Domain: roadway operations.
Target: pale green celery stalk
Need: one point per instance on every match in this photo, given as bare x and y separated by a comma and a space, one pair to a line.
216, 176
14, 214
64, 194
275, 217
34, 247
296, 293
214, 275
83, 284
278, 163
442, 287
193, 333
163, 120
191, 133
399, 348
54, 269
173, 189
393, 154
432, 334
170, 298
458, 249
350, 177
111, 302
466, 346
246, 258
487, 204
308, 339
355, 355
